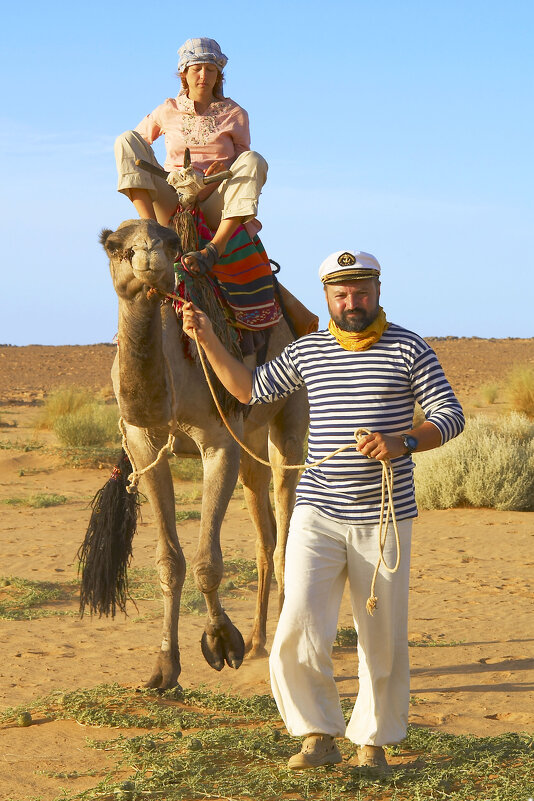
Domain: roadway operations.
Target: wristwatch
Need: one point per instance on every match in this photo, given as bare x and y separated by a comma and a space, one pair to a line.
410, 443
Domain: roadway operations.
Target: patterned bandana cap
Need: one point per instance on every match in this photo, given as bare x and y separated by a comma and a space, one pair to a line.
201, 51
348, 265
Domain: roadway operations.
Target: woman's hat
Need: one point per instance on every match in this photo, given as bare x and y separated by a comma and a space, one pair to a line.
201, 51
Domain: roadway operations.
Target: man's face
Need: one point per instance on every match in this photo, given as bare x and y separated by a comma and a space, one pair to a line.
355, 304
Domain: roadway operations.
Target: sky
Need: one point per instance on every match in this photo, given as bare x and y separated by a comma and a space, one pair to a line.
397, 127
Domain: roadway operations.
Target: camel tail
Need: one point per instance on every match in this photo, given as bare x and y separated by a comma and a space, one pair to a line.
106, 551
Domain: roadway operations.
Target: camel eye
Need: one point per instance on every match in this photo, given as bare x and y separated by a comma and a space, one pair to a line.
128, 255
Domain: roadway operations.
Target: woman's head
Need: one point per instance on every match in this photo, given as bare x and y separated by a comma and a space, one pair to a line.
197, 53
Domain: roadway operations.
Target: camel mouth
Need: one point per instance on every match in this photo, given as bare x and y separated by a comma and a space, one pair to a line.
153, 268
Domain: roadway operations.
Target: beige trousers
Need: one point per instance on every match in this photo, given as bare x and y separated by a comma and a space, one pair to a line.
235, 197
321, 554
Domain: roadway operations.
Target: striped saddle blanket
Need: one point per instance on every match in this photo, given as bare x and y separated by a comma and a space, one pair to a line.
245, 278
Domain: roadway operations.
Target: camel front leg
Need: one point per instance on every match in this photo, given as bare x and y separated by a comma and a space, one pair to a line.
157, 485
256, 478
221, 641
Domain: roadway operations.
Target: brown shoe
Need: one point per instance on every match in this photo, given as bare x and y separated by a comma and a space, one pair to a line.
317, 750
373, 756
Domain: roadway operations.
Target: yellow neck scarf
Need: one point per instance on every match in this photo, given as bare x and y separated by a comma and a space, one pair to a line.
360, 340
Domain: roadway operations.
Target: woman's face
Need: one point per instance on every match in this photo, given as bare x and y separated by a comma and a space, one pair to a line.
201, 78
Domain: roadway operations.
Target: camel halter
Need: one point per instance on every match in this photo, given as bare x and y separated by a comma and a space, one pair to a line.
387, 472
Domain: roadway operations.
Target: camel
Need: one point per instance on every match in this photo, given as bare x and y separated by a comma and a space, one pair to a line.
159, 390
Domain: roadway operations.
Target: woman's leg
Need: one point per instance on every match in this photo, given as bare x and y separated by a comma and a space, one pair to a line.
152, 196
234, 202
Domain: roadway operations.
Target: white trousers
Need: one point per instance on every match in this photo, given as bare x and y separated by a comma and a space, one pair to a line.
321, 554
235, 197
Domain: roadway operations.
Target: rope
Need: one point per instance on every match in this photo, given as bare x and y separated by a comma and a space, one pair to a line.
135, 475
387, 486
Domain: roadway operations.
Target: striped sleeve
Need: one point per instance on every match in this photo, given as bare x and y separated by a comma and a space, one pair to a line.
435, 395
276, 379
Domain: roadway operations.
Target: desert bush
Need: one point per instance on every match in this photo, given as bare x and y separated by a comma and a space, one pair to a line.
67, 400
90, 425
491, 465
489, 393
520, 390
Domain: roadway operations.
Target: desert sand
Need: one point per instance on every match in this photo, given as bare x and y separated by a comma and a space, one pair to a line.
471, 585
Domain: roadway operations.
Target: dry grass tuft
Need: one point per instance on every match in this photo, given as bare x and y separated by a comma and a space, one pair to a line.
490, 465
520, 390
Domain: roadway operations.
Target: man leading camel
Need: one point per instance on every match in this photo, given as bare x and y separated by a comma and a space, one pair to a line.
362, 372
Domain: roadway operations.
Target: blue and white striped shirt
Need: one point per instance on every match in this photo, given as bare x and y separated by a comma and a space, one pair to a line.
374, 389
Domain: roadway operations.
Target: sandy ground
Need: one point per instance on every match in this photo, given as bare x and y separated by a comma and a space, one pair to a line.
471, 587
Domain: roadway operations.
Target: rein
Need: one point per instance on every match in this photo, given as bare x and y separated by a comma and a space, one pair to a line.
386, 512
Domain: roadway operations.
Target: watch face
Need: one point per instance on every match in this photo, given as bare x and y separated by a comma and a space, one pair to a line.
410, 442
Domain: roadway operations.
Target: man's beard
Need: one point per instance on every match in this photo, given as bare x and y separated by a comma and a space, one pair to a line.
355, 321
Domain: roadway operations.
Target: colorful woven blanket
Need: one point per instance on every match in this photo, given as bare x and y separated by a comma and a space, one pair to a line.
245, 277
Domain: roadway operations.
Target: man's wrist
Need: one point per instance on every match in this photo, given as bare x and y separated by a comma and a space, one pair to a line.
410, 443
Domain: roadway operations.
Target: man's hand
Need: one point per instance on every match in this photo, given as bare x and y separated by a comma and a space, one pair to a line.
390, 446
381, 446
233, 374
194, 319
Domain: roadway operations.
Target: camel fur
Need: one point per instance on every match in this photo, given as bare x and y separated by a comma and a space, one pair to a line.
159, 390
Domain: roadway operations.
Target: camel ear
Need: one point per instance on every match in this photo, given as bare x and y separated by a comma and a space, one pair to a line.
104, 234
110, 242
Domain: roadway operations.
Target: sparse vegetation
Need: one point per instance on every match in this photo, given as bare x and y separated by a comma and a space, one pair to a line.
22, 599
520, 390
187, 514
490, 465
186, 469
38, 501
203, 744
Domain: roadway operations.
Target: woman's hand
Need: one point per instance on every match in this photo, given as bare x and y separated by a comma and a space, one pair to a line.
194, 320
215, 167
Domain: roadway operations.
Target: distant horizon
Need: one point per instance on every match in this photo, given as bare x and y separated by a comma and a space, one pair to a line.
114, 344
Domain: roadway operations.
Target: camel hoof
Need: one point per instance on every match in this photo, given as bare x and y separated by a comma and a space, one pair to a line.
166, 671
222, 642
257, 651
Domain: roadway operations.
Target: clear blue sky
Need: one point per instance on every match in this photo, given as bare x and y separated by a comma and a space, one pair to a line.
398, 127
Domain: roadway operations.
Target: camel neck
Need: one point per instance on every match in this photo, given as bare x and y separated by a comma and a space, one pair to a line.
142, 383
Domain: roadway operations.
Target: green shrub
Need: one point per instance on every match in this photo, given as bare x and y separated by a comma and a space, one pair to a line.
61, 402
491, 465
90, 425
520, 390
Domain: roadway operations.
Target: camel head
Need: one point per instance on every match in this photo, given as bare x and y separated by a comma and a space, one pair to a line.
141, 253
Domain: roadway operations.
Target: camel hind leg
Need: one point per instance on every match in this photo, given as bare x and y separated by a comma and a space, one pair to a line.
256, 478
286, 435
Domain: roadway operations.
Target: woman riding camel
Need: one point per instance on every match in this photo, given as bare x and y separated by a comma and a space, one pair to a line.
216, 131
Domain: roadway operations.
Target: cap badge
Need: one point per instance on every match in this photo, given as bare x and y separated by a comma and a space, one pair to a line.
346, 260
